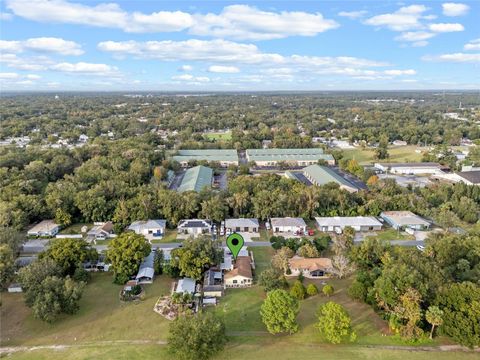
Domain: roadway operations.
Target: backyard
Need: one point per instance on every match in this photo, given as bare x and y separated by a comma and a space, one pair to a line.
106, 328
397, 154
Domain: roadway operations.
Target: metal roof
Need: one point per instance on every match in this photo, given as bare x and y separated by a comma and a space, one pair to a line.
472, 176
305, 151
206, 155
146, 268
185, 285
290, 157
323, 175
148, 224
196, 178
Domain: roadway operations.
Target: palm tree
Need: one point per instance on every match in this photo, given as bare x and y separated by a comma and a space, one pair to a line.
434, 316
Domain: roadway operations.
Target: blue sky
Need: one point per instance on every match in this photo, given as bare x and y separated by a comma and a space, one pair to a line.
222, 45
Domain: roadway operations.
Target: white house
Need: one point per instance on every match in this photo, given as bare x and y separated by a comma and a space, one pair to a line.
288, 224
150, 228
338, 224
410, 168
45, 228
401, 220
310, 267
101, 231
15, 288
241, 275
194, 227
242, 224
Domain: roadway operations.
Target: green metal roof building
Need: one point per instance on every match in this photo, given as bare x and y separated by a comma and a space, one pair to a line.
301, 157
196, 178
321, 175
224, 156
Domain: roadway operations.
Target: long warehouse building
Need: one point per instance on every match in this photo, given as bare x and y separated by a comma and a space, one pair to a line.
196, 179
225, 157
295, 157
322, 175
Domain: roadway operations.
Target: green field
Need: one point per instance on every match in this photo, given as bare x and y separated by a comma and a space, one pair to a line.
397, 154
219, 136
170, 236
75, 229
392, 234
105, 328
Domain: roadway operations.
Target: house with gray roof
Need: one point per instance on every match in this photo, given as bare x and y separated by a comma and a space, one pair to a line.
151, 229
322, 175
186, 285
401, 220
242, 224
194, 227
288, 224
339, 223
45, 228
196, 179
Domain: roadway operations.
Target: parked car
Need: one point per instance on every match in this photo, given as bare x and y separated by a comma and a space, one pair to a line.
267, 225
309, 232
229, 231
421, 247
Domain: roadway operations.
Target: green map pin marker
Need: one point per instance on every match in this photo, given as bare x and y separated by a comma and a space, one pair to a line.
235, 244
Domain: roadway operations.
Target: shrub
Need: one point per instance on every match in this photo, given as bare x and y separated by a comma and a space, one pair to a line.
328, 290
312, 290
298, 290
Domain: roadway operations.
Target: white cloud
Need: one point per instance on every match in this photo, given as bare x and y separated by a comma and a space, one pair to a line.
42, 44
107, 15
234, 21
455, 57
400, 72
36, 63
33, 77
249, 23
86, 68
222, 51
190, 78
9, 76
353, 14
446, 27
454, 9
414, 36
223, 69
405, 18
472, 45
185, 68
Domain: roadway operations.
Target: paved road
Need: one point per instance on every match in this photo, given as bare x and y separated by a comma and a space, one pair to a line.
407, 243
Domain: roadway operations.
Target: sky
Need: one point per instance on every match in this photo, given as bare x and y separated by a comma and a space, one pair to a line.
117, 45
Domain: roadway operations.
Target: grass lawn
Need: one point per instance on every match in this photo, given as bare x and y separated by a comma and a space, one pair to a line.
392, 234
170, 236
75, 229
219, 136
397, 154
262, 256
101, 317
105, 328
264, 235
261, 348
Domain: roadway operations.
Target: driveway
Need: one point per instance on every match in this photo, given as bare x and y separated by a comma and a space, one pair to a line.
247, 237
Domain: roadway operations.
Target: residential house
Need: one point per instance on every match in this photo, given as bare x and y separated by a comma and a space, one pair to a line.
241, 275
100, 231
242, 224
186, 285
45, 228
310, 267
466, 177
146, 271
288, 224
401, 220
194, 227
339, 223
150, 228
